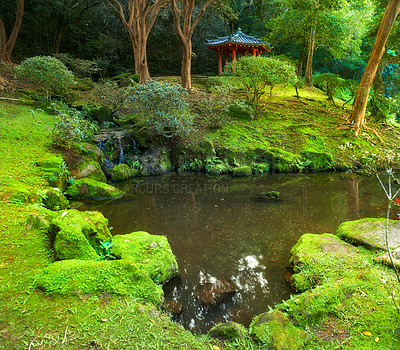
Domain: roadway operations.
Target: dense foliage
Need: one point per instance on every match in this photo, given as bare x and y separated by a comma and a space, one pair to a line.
162, 108
47, 72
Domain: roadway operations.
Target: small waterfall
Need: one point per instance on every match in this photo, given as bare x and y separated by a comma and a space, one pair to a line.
101, 146
134, 145
121, 153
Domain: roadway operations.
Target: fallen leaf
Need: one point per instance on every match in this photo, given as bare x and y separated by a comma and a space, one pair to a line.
216, 347
376, 339
104, 319
368, 333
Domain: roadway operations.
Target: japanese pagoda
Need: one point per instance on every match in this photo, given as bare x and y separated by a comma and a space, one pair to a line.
238, 43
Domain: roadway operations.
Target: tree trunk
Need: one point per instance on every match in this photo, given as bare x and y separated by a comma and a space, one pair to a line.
310, 54
3, 41
301, 62
57, 40
186, 65
14, 34
360, 105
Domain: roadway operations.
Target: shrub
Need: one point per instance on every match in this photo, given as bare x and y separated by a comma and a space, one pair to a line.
257, 73
47, 72
70, 126
109, 92
162, 108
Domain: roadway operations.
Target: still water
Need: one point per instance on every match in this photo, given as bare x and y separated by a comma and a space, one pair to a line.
218, 230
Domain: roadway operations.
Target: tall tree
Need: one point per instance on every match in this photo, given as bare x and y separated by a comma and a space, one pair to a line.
7, 46
138, 17
360, 104
184, 31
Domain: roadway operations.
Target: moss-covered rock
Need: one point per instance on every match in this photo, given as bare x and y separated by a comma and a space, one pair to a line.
228, 331
152, 252
92, 189
54, 199
275, 331
370, 232
21, 193
122, 172
242, 171
280, 160
100, 113
88, 150
78, 277
40, 218
88, 168
156, 162
54, 170
77, 235
317, 258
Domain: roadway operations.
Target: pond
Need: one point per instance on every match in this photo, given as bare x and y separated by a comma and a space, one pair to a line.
218, 230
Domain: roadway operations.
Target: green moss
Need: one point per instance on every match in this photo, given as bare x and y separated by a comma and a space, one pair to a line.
54, 199
152, 252
79, 277
54, 170
122, 172
92, 189
77, 235
242, 171
318, 161
318, 258
88, 150
370, 232
228, 331
275, 331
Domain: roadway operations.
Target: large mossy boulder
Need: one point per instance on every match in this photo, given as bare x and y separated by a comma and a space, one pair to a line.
370, 233
54, 199
274, 331
122, 172
54, 170
317, 258
77, 235
79, 277
88, 168
84, 161
92, 189
152, 252
228, 331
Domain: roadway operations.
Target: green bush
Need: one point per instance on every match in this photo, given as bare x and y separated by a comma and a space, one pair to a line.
70, 126
47, 72
257, 73
162, 108
109, 92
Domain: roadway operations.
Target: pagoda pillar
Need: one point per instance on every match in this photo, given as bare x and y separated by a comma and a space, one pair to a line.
254, 52
233, 54
219, 62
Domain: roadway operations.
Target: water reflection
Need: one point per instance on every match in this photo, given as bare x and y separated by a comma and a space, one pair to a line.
220, 233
